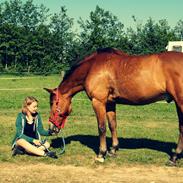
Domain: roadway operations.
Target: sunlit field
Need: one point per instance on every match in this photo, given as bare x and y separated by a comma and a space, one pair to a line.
147, 134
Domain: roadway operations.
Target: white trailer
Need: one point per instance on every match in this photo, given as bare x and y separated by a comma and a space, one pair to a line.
175, 46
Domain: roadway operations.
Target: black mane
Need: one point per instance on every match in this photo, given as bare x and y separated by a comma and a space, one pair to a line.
106, 50
70, 71
76, 65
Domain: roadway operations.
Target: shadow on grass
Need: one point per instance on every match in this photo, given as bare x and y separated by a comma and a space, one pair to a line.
92, 142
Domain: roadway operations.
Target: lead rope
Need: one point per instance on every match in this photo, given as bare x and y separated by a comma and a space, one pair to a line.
62, 147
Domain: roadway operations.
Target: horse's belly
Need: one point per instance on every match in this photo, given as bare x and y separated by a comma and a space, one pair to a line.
143, 99
141, 90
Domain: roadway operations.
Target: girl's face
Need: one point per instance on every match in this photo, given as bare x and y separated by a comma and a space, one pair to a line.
32, 108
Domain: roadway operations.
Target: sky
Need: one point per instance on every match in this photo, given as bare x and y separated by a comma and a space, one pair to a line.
171, 10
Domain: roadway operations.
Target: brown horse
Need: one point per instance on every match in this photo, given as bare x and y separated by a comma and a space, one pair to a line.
111, 77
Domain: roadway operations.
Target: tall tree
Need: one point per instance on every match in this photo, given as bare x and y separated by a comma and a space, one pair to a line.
42, 50
12, 11
102, 30
62, 38
151, 37
179, 30
19, 23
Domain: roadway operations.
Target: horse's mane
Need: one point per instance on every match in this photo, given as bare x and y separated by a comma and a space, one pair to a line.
89, 57
73, 67
111, 50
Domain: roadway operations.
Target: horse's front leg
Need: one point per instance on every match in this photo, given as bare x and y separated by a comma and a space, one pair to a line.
100, 111
111, 116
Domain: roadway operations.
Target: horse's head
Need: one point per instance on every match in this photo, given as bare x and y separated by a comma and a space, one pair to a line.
60, 108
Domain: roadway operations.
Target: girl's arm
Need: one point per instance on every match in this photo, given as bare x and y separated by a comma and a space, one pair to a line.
41, 130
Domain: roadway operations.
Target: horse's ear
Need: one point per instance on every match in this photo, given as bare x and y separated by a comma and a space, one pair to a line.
49, 90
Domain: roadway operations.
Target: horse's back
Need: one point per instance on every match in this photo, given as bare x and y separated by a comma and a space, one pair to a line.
115, 75
171, 60
137, 79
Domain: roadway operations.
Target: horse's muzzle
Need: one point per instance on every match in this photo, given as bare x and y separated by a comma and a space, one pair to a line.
58, 122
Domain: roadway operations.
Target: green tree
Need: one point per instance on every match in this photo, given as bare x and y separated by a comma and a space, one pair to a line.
29, 42
8, 34
62, 38
102, 30
42, 50
149, 38
179, 30
12, 12
18, 31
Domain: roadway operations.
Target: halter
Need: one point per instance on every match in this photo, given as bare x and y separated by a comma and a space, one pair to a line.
57, 114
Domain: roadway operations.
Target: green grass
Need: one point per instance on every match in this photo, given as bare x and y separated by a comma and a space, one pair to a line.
147, 134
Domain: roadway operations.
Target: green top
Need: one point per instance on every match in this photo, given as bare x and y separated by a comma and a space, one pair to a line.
20, 124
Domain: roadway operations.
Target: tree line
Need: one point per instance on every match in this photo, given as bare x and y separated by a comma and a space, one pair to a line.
33, 40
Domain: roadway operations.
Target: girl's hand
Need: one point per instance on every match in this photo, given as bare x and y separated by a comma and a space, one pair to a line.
37, 142
51, 132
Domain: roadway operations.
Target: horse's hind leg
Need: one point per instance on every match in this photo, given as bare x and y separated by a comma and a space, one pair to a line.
179, 148
175, 88
111, 116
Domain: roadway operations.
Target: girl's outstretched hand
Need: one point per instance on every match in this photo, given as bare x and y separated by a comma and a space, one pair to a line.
51, 132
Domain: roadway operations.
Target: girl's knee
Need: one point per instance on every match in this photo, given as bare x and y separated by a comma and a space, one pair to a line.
20, 142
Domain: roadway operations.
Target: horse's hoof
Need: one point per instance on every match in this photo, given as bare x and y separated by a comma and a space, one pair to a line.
111, 154
99, 159
171, 163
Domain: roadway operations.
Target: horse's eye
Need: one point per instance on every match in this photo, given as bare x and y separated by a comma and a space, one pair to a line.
60, 115
67, 113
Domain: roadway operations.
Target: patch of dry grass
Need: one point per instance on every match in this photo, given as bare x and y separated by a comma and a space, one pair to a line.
40, 172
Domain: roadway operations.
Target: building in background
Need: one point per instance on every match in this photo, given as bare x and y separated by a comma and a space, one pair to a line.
175, 46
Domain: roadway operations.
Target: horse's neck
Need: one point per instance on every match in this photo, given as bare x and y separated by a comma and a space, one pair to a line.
70, 88
73, 84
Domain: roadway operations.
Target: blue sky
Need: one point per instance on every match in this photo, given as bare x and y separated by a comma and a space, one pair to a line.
172, 10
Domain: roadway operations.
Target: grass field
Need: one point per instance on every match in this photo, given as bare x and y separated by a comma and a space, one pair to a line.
147, 134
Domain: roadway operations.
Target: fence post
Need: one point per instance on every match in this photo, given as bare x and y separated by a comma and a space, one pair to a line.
62, 74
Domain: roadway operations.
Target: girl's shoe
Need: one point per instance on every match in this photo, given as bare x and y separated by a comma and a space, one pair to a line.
17, 150
51, 154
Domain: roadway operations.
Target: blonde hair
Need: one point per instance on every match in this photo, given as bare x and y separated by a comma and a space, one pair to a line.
28, 101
